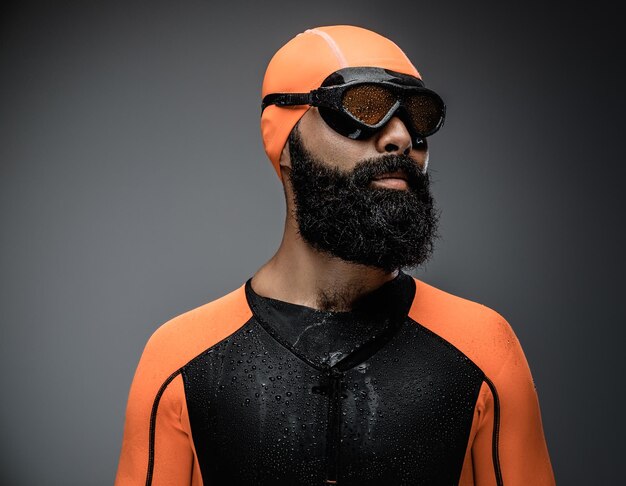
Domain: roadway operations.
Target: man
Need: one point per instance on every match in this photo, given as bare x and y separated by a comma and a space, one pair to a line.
331, 365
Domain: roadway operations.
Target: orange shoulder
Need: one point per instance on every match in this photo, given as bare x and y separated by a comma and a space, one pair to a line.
156, 409
182, 338
478, 331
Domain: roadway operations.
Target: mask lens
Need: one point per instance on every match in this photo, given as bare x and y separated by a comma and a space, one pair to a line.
425, 111
368, 103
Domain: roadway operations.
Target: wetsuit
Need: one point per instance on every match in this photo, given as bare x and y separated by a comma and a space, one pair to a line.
413, 386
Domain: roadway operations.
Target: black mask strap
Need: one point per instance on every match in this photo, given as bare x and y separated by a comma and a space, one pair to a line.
286, 99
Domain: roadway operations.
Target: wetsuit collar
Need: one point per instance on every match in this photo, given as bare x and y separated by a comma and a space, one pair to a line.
325, 338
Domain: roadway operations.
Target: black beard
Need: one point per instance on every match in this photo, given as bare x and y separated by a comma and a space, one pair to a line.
340, 214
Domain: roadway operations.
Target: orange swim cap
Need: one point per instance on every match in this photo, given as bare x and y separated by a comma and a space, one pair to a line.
306, 60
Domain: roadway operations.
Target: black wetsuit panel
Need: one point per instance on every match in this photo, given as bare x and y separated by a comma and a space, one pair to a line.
299, 396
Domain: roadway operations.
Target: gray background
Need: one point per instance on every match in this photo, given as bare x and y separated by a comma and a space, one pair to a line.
134, 187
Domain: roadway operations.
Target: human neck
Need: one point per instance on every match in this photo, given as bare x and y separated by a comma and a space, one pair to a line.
299, 274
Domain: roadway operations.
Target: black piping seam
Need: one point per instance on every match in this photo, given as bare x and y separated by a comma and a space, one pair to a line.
496, 429
493, 390
157, 399
496, 415
155, 406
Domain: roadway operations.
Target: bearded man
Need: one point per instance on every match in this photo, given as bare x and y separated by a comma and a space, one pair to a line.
331, 365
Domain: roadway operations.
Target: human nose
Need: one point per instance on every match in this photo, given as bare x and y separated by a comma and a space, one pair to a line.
394, 138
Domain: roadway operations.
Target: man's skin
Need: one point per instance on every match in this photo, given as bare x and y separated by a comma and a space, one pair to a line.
300, 274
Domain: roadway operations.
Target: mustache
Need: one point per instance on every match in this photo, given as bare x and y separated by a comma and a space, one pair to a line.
365, 171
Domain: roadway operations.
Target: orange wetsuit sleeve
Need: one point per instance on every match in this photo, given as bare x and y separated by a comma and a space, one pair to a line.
157, 448
506, 444
509, 401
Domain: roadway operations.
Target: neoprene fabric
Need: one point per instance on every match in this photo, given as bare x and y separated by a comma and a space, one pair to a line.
249, 390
